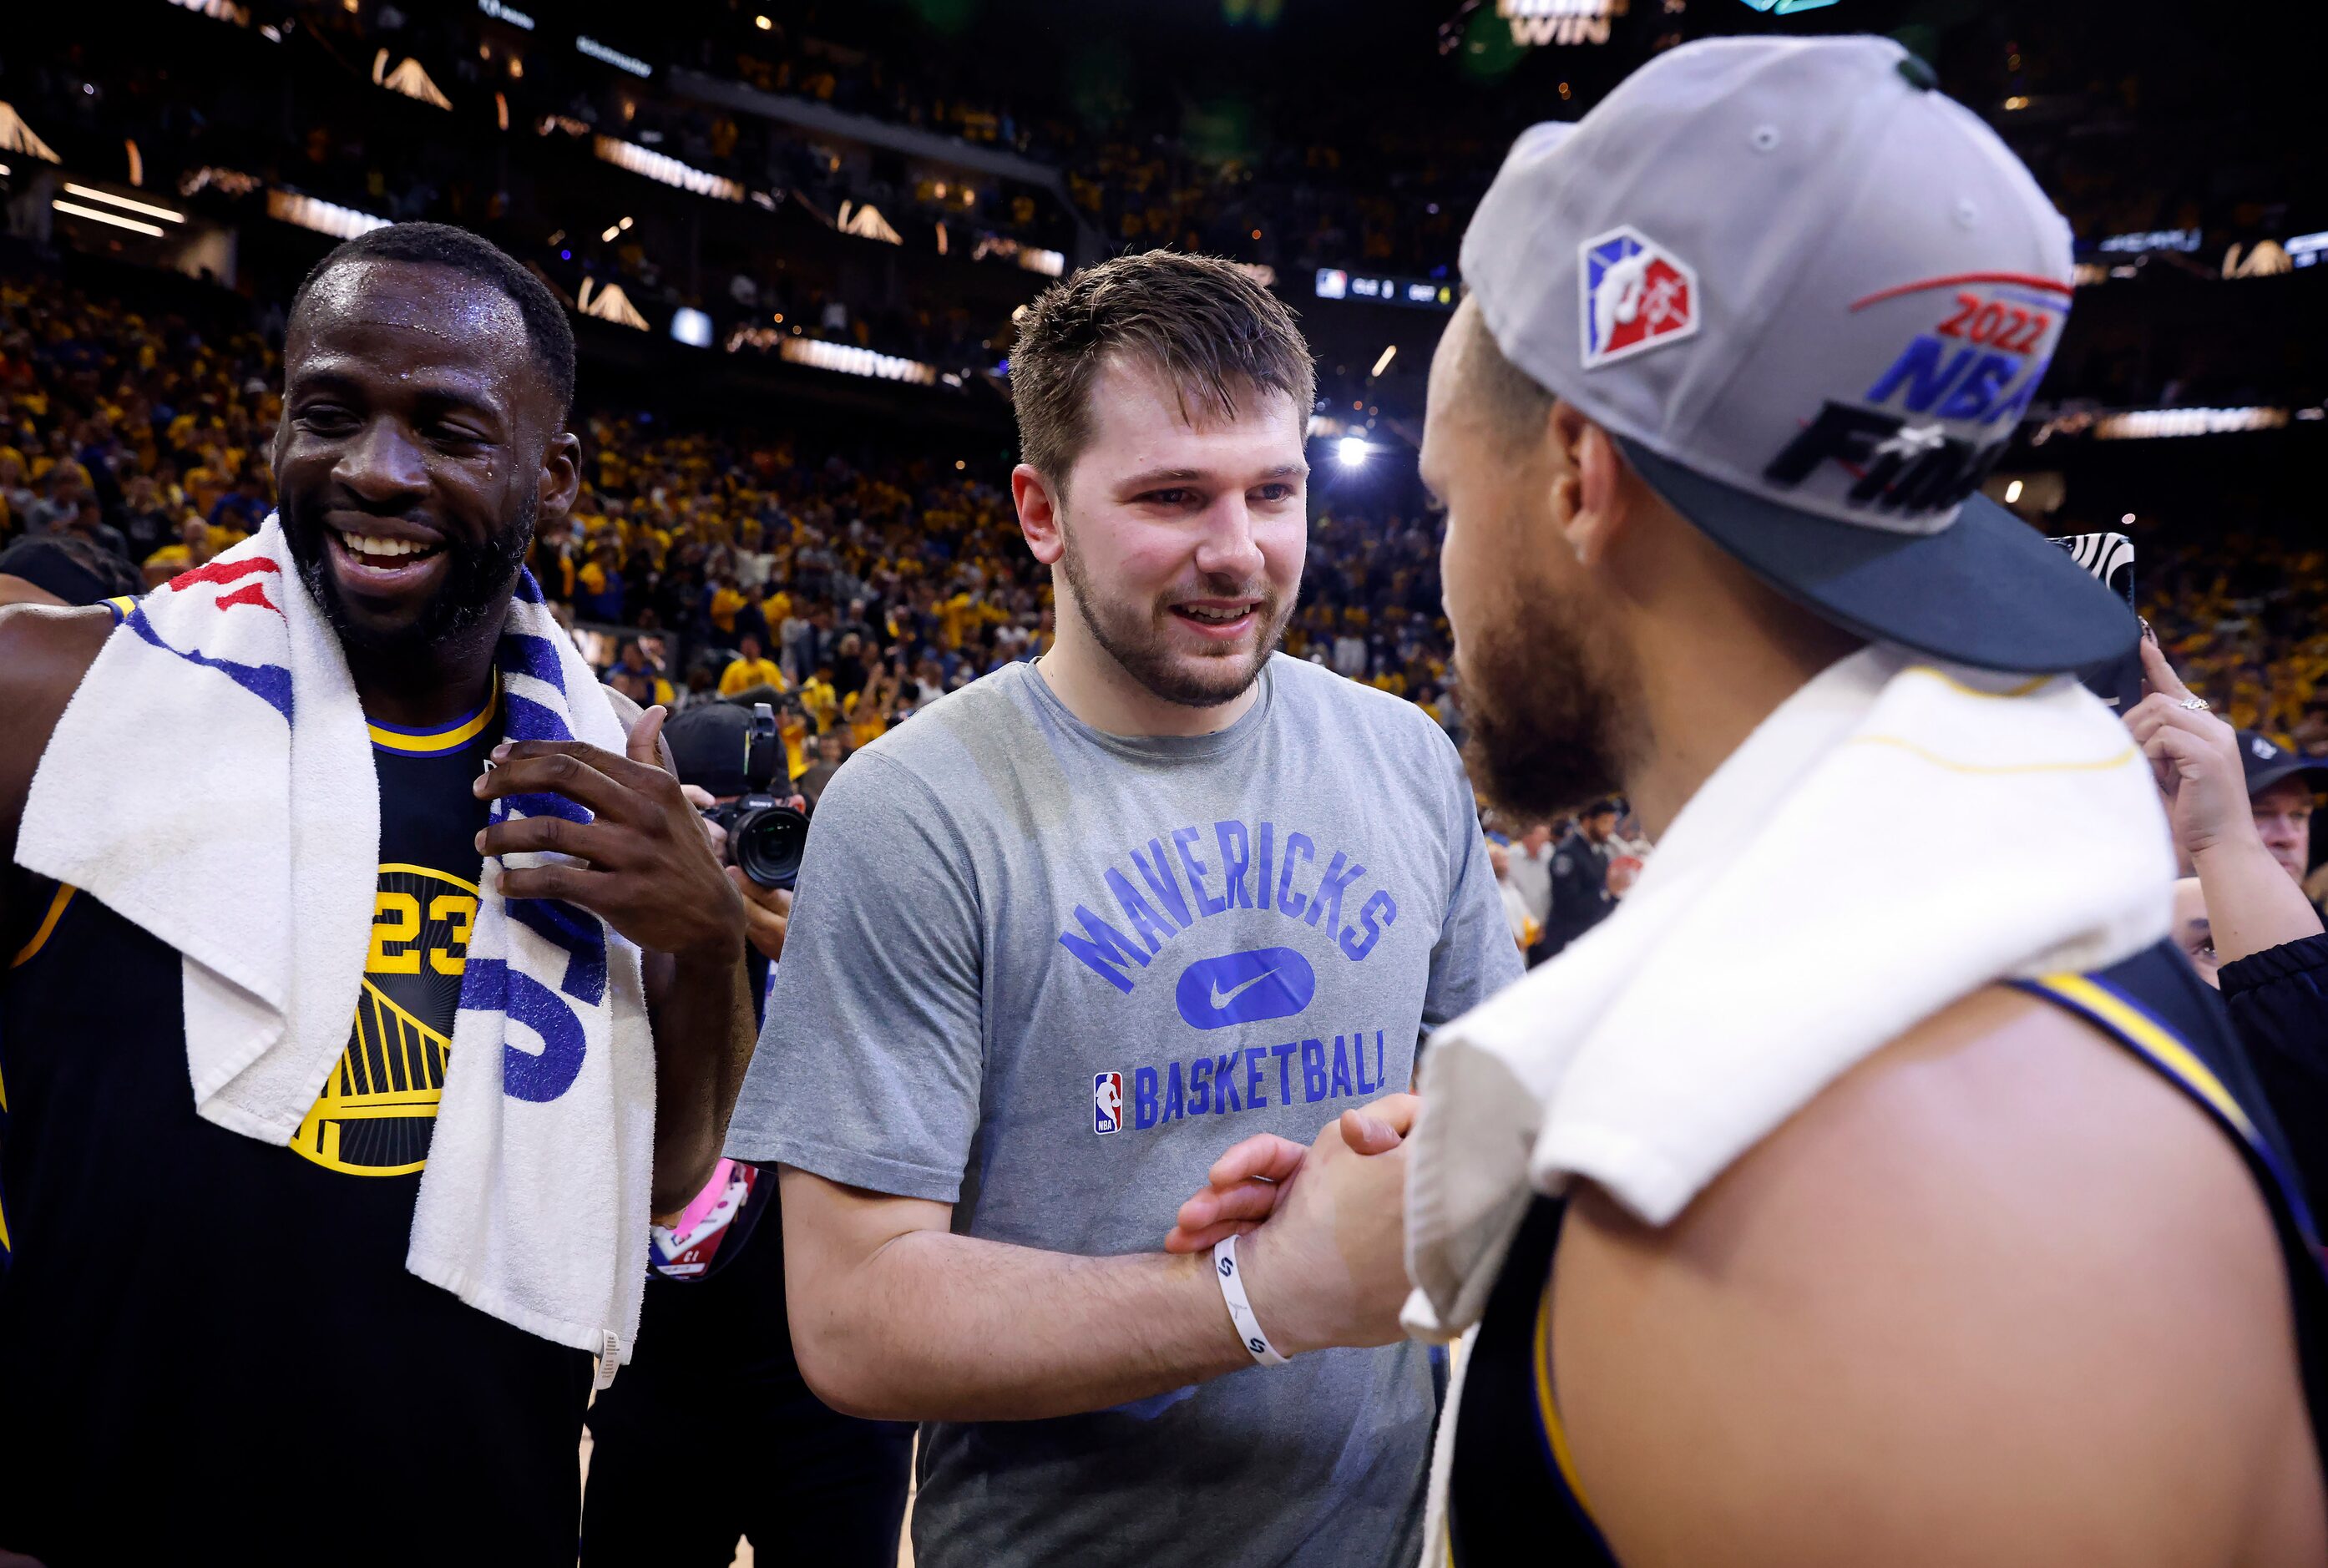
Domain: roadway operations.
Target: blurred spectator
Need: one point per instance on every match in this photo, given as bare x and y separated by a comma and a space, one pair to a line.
1526, 930
750, 668
637, 677
198, 543
1581, 898
145, 521
242, 509
62, 569
1531, 878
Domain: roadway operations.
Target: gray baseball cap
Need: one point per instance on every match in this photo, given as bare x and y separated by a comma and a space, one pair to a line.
1810, 298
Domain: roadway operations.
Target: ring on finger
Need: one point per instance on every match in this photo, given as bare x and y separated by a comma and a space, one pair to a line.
2196, 704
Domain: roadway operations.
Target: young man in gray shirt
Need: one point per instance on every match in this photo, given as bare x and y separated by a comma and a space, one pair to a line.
1083, 925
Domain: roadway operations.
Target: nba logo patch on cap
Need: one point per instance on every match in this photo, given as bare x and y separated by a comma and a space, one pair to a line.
1107, 1103
1637, 294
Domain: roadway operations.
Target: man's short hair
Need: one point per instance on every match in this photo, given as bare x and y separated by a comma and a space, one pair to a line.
1514, 403
1213, 333
546, 330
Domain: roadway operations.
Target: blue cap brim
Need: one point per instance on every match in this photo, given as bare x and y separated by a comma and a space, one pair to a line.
1988, 591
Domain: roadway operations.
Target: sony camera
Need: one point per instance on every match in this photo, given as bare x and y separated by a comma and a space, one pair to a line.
765, 836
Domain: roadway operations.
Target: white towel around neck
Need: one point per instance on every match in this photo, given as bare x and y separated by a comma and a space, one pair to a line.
212, 781
1892, 838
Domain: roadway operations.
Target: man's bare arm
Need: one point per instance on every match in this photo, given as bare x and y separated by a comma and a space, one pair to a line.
893, 1315
896, 1318
1999, 1295
43, 653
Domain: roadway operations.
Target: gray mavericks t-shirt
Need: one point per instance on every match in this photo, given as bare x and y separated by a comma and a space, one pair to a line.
1047, 974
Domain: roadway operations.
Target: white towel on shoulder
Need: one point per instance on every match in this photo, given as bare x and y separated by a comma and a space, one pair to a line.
1893, 837
212, 781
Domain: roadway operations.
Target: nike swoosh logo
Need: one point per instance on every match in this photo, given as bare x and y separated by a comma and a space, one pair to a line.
1222, 999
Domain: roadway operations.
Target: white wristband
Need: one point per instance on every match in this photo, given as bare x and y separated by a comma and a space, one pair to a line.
1248, 1327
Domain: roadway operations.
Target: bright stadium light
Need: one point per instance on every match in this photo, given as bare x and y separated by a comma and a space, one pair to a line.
1352, 452
98, 215
2013, 492
1382, 363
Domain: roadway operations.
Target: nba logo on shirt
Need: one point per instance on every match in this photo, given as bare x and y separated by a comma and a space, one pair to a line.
1107, 1103
1636, 294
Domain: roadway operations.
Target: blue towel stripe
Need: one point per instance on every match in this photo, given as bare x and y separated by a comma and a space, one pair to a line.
522, 654
269, 683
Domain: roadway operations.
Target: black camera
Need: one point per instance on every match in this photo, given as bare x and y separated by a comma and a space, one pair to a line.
765, 836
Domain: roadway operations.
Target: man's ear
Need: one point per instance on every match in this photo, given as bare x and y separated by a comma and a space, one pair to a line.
1590, 483
561, 476
1039, 513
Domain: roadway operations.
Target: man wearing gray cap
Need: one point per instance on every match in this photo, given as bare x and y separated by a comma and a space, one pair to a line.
1910, 1204
1912, 1201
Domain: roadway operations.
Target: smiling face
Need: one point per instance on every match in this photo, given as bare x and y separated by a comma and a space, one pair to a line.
420, 441
1180, 544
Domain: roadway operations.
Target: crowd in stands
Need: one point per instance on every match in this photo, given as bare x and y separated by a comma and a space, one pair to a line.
859, 583
853, 584
143, 435
2244, 617
861, 587
1381, 175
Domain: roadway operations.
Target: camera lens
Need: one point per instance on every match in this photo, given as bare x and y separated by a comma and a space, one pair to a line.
767, 844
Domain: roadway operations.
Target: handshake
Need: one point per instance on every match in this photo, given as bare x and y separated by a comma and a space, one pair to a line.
1325, 1263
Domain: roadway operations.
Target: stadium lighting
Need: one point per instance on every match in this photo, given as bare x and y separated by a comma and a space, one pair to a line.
691, 327
16, 136
611, 230
98, 215
2127, 520
322, 216
151, 210
667, 170
609, 303
866, 223
762, 22
2013, 492
1352, 452
607, 55
1381, 364
851, 360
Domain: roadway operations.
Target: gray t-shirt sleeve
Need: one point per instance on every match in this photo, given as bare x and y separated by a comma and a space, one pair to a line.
871, 1058
1475, 956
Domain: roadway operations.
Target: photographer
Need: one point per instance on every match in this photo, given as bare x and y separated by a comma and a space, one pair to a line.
714, 1382
724, 778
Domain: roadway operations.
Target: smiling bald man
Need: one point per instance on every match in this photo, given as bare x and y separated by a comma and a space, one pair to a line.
227, 1323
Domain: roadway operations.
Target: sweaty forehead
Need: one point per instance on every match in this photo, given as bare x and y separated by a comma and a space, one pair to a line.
421, 314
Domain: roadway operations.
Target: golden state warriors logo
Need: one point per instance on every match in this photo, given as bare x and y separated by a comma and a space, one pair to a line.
376, 1113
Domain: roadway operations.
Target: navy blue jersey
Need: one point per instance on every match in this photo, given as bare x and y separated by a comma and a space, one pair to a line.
1510, 1453
225, 1327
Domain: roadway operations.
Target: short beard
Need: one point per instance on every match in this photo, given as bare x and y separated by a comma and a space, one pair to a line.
1549, 716
1141, 649
477, 582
